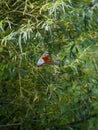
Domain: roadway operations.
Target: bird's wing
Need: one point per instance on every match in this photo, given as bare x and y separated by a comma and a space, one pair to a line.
40, 62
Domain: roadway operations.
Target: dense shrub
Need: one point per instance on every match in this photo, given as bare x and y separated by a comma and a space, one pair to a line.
50, 97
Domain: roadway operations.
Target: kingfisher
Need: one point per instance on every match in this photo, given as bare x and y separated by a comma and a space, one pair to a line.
46, 59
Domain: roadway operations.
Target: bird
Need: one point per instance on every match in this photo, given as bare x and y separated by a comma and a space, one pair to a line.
46, 59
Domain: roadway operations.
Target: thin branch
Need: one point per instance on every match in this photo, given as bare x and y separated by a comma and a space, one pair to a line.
8, 125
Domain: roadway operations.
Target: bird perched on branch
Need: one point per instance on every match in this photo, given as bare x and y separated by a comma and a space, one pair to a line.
46, 59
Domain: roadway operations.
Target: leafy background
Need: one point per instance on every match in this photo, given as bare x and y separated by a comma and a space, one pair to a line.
63, 97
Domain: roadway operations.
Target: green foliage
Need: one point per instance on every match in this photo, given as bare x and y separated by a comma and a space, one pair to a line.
63, 97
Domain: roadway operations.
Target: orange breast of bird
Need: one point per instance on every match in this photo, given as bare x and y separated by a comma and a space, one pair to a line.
46, 59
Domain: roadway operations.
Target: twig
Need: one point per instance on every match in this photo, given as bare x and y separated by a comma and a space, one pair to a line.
14, 124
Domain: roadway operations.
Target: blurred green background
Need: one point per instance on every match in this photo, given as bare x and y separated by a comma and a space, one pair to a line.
49, 97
